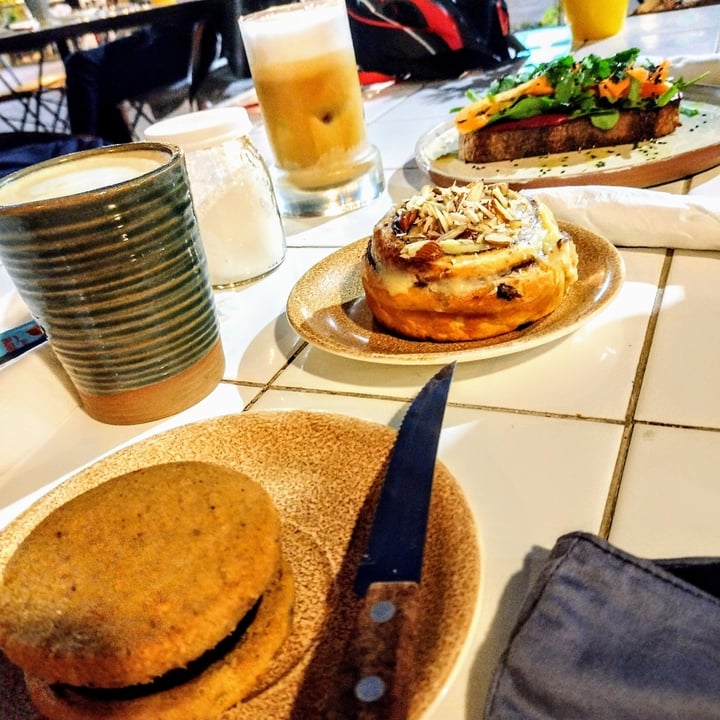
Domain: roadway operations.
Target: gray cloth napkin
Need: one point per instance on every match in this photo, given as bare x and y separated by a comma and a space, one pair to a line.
633, 217
606, 635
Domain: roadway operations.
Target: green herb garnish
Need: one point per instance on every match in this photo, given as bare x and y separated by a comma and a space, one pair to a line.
575, 89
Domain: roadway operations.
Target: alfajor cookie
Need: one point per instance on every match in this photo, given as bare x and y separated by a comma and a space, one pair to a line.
161, 593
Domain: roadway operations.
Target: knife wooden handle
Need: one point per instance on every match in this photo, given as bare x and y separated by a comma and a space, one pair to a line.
384, 651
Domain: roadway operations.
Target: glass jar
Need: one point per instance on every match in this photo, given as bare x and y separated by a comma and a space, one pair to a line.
233, 196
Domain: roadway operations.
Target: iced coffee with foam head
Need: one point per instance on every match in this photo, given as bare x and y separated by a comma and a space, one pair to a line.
303, 65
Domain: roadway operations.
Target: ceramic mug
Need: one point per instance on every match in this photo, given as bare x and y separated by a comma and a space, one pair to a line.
103, 247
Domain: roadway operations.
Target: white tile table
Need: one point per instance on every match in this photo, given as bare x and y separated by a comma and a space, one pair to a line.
614, 429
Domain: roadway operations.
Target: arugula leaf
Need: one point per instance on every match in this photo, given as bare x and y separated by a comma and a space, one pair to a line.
575, 82
677, 87
524, 108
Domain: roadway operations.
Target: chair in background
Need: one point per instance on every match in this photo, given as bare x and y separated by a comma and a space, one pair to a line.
217, 65
146, 108
36, 104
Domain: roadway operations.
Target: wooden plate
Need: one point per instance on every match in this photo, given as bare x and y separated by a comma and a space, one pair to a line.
327, 308
323, 472
692, 148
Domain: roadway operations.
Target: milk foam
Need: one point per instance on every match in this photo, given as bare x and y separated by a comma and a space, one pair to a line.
78, 176
305, 30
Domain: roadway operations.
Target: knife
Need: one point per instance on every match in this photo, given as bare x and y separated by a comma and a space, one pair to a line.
388, 576
20, 339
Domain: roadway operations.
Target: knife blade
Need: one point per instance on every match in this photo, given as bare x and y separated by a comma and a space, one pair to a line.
389, 574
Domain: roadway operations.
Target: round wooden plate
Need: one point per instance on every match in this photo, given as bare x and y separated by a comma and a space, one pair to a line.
692, 148
323, 472
327, 308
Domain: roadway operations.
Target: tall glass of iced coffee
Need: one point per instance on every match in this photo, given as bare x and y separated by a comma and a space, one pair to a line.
303, 65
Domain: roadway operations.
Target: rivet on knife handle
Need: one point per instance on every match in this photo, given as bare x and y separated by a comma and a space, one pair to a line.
386, 641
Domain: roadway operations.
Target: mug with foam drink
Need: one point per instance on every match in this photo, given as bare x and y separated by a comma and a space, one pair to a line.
303, 65
103, 246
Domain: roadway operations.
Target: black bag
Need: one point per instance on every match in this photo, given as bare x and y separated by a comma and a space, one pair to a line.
429, 39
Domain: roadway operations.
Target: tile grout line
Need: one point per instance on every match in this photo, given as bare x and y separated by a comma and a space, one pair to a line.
264, 387
629, 425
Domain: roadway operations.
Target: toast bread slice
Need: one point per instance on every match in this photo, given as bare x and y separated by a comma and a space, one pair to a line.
509, 140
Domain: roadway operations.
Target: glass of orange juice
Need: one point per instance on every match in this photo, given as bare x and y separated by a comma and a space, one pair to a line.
303, 66
594, 19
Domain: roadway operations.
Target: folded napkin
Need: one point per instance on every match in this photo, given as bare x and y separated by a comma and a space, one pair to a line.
610, 636
634, 217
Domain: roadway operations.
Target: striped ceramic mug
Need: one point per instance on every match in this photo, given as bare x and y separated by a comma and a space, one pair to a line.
104, 249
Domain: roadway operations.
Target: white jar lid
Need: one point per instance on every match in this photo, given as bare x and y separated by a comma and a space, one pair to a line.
200, 129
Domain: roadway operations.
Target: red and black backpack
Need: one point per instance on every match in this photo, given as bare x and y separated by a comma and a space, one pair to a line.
427, 39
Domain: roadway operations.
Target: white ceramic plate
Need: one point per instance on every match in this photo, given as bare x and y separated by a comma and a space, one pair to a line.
327, 308
323, 472
692, 148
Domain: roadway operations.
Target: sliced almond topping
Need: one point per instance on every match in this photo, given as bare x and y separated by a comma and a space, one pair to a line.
503, 211
429, 251
412, 249
497, 239
451, 246
499, 195
481, 215
486, 211
477, 190
453, 232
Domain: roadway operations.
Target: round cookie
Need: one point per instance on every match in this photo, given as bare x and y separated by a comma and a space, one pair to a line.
224, 683
142, 574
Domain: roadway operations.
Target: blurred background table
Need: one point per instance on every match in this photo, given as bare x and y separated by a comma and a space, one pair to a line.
98, 20
614, 429
33, 95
